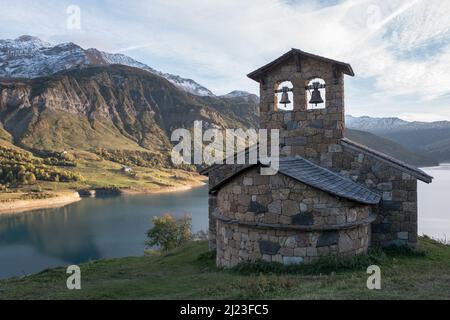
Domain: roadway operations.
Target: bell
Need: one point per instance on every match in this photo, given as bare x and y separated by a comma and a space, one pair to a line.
285, 97
315, 95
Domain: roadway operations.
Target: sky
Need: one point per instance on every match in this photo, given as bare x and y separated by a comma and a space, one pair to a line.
399, 49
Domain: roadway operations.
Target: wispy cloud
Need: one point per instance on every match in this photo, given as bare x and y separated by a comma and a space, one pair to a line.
400, 49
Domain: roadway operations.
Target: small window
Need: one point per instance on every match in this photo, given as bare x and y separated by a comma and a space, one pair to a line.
284, 98
316, 94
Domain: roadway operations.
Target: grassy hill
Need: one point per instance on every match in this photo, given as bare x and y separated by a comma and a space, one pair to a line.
77, 170
190, 273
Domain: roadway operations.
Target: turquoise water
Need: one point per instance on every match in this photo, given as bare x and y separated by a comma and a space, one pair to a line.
90, 229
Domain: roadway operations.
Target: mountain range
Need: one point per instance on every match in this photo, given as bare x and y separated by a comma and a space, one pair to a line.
30, 57
108, 107
59, 97
428, 138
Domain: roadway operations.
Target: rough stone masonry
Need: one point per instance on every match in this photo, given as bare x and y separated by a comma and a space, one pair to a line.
331, 195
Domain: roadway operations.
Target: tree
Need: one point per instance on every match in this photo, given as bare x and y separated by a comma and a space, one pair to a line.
30, 178
168, 232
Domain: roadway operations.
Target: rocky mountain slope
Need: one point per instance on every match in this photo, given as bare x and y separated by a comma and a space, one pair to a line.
429, 138
112, 106
30, 57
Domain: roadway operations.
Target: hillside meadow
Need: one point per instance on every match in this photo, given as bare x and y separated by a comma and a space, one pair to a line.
190, 273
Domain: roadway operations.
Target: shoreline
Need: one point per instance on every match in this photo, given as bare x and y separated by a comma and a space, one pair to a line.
19, 206
173, 189
64, 198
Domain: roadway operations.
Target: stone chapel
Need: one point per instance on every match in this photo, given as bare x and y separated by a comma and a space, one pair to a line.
331, 196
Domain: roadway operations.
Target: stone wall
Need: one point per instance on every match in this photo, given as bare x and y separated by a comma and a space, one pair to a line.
396, 222
317, 135
212, 232
214, 177
311, 133
237, 243
276, 218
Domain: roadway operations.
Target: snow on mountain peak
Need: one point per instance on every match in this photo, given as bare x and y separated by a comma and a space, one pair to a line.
187, 85
30, 57
367, 123
237, 94
30, 40
23, 44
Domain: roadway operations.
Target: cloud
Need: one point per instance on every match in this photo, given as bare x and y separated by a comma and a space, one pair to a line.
400, 49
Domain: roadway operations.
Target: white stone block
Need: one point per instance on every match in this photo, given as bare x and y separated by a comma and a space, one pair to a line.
248, 181
402, 235
303, 207
292, 260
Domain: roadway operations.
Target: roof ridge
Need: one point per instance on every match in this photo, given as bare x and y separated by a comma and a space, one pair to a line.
328, 181
318, 177
416, 172
256, 75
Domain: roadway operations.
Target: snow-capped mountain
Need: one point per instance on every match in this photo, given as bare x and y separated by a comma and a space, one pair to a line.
188, 85
377, 125
430, 138
236, 94
370, 124
30, 57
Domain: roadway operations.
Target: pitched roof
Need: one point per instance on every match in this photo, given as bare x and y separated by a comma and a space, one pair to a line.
257, 74
231, 159
413, 171
326, 180
309, 173
402, 166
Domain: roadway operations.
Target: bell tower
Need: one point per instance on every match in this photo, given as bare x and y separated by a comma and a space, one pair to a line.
302, 95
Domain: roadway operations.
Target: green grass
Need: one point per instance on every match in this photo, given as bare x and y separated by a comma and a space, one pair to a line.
190, 273
97, 172
104, 173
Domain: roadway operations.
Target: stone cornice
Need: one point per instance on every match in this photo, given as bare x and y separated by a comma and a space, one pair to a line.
259, 225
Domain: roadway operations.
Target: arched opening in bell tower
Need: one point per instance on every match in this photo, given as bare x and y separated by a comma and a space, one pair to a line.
316, 94
284, 98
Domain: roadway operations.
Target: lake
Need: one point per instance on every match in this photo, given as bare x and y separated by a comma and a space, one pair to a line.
91, 229
97, 228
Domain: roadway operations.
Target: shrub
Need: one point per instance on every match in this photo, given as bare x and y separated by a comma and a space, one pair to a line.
168, 232
405, 251
30, 178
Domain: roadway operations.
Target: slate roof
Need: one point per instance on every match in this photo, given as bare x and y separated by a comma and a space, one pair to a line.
326, 180
259, 73
402, 166
317, 177
232, 159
